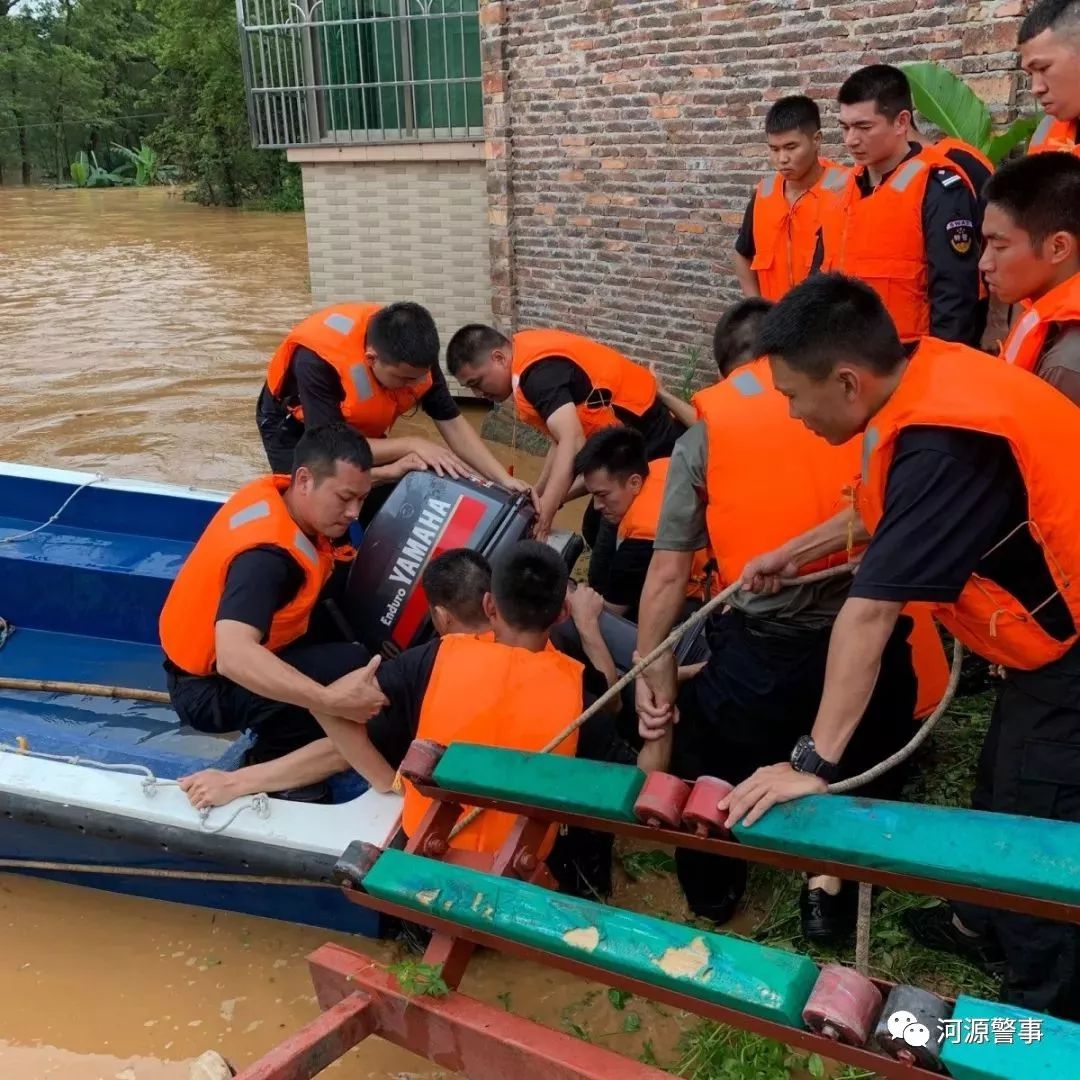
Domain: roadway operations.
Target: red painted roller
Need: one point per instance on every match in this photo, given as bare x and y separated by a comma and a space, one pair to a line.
661, 801
419, 762
700, 813
843, 1005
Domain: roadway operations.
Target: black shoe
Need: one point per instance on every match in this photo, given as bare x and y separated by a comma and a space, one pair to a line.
828, 919
717, 911
933, 927
309, 793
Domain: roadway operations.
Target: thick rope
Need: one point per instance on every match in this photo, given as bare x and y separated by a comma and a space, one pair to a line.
96, 478
862, 929
662, 649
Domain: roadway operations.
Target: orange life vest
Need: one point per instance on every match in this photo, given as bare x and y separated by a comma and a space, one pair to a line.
1060, 135
769, 478
255, 516
951, 385
338, 334
642, 519
879, 238
947, 143
785, 234
1024, 345
485, 693
616, 380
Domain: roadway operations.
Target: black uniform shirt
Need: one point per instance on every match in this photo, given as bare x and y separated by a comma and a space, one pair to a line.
555, 381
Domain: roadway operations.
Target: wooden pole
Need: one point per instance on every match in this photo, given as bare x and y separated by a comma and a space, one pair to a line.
48, 686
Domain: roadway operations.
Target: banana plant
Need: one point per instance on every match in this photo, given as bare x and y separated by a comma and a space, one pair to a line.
948, 103
101, 177
144, 161
80, 169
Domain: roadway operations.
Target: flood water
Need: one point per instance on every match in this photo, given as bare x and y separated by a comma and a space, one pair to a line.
135, 331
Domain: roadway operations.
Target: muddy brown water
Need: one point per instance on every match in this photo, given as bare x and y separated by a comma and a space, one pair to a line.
135, 330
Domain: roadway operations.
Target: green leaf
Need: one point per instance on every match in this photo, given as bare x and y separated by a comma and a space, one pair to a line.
949, 103
619, 998
1019, 131
815, 1066
648, 1054
631, 1022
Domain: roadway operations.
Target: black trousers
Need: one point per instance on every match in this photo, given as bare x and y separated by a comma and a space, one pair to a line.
217, 705
1030, 765
279, 431
759, 693
601, 536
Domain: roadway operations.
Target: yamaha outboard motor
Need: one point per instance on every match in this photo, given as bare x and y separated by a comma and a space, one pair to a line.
425, 515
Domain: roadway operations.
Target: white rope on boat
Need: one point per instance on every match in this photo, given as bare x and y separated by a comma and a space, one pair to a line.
95, 479
259, 803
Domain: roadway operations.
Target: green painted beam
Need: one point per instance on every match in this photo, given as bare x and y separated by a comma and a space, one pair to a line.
552, 781
1023, 855
1019, 1055
755, 979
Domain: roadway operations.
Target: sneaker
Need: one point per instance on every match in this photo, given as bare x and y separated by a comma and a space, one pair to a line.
933, 927
828, 919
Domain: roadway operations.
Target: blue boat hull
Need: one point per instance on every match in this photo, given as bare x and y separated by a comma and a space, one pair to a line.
83, 593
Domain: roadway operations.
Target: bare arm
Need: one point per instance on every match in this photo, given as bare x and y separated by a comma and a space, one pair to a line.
545, 471
565, 427
308, 765
859, 636
763, 573
352, 742
585, 607
467, 445
683, 411
746, 277
441, 459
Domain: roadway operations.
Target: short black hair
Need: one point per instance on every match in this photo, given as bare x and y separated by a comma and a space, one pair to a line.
1050, 15
619, 449
735, 339
528, 585
831, 318
794, 113
467, 345
404, 333
886, 86
321, 448
457, 580
1041, 193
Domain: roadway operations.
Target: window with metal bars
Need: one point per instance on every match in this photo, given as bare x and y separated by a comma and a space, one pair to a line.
353, 72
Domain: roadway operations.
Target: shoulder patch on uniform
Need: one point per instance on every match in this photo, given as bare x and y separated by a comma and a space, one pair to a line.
961, 234
946, 177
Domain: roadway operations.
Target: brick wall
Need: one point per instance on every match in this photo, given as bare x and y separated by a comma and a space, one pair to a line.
400, 230
624, 137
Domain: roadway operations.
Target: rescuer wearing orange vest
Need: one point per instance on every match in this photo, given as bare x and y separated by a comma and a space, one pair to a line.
455, 583
1032, 258
368, 364
906, 220
628, 490
747, 471
1050, 53
234, 623
775, 246
566, 387
969, 500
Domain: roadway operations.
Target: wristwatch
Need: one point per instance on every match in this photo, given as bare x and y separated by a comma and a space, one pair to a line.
806, 759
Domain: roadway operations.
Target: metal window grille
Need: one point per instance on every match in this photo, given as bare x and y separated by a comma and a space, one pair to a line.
355, 72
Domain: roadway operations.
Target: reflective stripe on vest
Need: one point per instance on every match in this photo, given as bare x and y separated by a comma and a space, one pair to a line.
495, 695
338, 335
1027, 339
256, 516
1059, 135
835, 179
879, 238
616, 381
951, 385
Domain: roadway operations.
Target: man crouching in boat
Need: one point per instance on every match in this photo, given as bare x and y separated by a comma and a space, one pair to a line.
234, 623
455, 584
